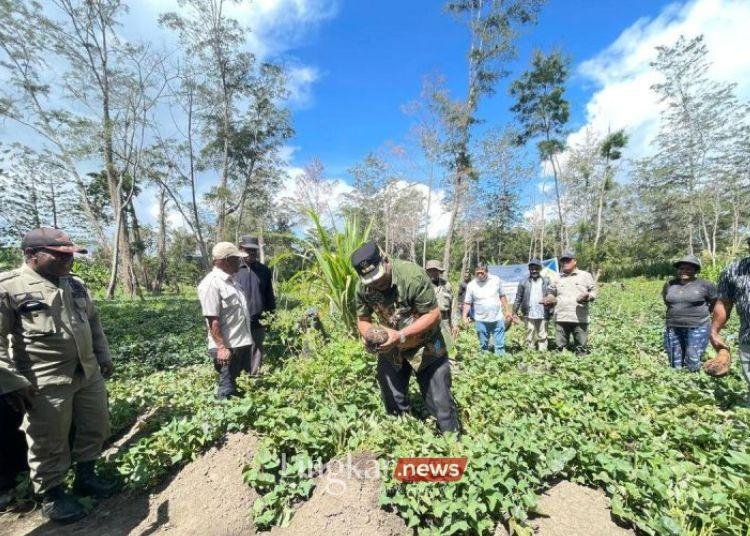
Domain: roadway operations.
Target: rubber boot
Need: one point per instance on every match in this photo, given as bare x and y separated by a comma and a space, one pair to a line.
88, 483
61, 507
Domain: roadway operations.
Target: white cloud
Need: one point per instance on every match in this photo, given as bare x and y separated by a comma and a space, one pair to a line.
275, 28
174, 218
535, 213
546, 187
299, 83
439, 217
623, 76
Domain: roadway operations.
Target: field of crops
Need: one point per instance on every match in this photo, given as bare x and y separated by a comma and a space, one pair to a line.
671, 449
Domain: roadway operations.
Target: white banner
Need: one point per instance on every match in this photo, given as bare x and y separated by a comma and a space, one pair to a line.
512, 274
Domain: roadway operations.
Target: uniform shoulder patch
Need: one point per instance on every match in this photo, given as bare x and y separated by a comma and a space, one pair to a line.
78, 288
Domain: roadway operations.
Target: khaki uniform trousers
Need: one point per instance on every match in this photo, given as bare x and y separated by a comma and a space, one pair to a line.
536, 333
82, 403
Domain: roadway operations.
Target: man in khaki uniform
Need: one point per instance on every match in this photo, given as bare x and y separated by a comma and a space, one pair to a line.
443, 290
571, 295
54, 357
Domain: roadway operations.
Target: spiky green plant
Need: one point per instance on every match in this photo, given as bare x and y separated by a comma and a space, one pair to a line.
332, 251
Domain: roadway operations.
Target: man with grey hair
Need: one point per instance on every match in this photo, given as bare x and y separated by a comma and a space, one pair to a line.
223, 304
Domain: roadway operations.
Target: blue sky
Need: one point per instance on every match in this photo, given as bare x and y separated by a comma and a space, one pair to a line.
352, 64
373, 55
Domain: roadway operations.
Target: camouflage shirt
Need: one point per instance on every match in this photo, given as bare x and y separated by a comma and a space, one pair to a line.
410, 296
734, 285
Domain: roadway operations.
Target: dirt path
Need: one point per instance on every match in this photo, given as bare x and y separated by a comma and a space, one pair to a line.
345, 501
569, 508
207, 497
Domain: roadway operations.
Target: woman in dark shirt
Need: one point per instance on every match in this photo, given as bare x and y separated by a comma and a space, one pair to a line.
689, 302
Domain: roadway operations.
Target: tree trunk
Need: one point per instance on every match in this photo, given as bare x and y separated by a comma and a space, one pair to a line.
599, 211
451, 227
161, 248
427, 215
53, 203
114, 183
542, 233
139, 251
561, 231
193, 194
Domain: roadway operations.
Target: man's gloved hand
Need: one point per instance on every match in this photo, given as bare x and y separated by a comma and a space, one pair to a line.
21, 399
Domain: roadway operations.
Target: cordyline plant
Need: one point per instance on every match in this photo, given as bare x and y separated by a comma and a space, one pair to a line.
332, 252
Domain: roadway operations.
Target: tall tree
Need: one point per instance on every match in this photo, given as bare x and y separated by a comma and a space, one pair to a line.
493, 28
503, 171
542, 112
34, 193
212, 43
28, 39
698, 127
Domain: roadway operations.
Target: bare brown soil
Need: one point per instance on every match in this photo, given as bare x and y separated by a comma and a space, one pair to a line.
207, 497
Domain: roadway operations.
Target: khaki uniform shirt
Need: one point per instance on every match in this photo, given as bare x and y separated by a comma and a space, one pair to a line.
410, 296
47, 330
567, 290
221, 296
444, 295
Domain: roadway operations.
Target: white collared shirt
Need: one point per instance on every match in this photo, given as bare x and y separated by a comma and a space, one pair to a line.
221, 296
485, 297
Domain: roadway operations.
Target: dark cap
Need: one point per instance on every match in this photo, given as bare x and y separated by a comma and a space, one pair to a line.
50, 238
535, 262
567, 255
688, 259
368, 262
249, 242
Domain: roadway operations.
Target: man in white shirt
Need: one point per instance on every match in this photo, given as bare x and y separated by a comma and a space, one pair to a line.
485, 293
229, 327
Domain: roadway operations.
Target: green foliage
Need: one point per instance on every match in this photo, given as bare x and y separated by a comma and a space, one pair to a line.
94, 271
670, 448
10, 258
332, 254
540, 106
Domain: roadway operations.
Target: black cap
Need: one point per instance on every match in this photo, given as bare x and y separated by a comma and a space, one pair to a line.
535, 262
368, 262
249, 242
688, 259
567, 255
50, 238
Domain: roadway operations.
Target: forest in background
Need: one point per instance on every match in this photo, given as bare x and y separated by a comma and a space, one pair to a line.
202, 129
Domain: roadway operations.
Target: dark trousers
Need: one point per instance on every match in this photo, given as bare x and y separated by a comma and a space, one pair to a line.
434, 384
239, 361
579, 332
256, 359
12, 447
